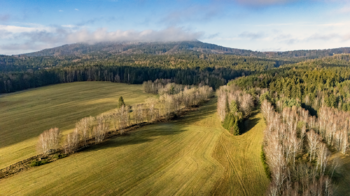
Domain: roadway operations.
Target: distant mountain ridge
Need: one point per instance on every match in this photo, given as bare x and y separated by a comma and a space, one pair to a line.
80, 49
141, 48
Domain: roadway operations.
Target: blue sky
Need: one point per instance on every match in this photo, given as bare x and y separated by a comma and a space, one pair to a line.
263, 25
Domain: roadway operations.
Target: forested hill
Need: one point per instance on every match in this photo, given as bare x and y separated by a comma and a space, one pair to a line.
109, 48
183, 62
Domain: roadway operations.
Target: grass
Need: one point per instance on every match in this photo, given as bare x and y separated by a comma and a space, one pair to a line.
25, 115
342, 184
193, 155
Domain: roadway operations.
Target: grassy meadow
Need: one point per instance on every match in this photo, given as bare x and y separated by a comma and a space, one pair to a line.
24, 115
341, 186
193, 155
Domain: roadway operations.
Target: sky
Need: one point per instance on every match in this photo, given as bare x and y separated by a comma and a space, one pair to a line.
260, 25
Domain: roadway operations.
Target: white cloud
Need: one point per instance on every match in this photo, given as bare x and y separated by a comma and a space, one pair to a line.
76, 9
251, 35
27, 39
102, 35
68, 26
22, 29
344, 10
60, 10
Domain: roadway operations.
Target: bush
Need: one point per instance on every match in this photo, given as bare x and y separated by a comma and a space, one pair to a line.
43, 162
265, 96
235, 130
290, 103
38, 163
35, 163
266, 166
121, 102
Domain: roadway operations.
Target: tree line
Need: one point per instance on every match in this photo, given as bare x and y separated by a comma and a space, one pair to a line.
96, 128
188, 60
233, 106
12, 82
297, 156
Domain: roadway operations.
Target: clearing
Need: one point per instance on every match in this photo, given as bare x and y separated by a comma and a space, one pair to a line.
193, 155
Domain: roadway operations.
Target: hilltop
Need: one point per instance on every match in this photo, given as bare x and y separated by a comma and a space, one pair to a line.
113, 48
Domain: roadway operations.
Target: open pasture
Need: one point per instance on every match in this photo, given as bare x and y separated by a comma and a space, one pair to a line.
193, 155
24, 115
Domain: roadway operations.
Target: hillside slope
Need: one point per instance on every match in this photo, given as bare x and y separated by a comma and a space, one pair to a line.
191, 156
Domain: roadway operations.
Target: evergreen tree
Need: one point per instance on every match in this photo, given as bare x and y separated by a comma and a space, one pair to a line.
231, 123
121, 102
233, 107
234, 128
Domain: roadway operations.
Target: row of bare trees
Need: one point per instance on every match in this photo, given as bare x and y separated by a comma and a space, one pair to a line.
332, 125
97, 127
49, 140
297, 157
153, 87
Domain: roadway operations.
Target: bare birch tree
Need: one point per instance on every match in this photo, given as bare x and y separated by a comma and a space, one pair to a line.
49, 140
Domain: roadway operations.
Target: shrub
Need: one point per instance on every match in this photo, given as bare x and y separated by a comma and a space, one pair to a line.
266, 166
290, 103
121, 102
35, 163
234, 129
44, 162
265, 96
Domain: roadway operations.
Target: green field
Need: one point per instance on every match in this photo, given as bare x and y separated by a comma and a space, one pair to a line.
25, 115
191, 156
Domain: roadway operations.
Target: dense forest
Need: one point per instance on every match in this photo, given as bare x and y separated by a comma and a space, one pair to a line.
11, 82
312, 83
181, 61
188, 63
305, 106
18, 73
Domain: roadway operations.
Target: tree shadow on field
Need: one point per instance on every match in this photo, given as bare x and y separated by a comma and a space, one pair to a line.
66, 120
341, 175
65, 114
203, 111
249, 123
149, 133
143, 135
